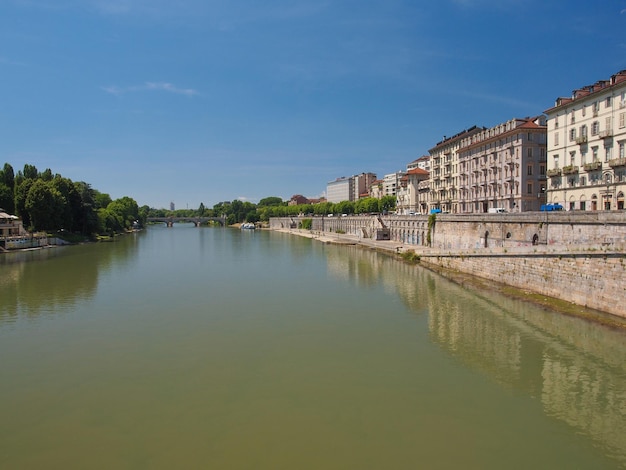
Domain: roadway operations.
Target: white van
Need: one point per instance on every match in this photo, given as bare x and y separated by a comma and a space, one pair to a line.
497, 210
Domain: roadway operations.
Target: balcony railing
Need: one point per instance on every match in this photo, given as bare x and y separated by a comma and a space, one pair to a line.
617, 162
593, 166
606, 133
581, 139
554, 172
570, 170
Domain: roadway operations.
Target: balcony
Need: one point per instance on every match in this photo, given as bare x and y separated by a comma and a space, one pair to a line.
593, 166
554, 172
617, 162
581, 139
570, 170
607, 133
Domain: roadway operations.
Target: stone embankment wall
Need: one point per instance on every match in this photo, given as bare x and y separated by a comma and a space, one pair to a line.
575, 256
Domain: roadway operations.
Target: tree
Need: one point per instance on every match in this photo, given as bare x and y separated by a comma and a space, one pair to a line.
7, 189
125, 210
387, 203
366, 205
102, 199
270, 201
45, 205
21, 193
201, 210
6, 198
30, 172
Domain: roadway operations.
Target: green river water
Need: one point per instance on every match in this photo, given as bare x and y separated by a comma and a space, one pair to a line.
224, 349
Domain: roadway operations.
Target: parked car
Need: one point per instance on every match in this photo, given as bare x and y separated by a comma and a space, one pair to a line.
551, 207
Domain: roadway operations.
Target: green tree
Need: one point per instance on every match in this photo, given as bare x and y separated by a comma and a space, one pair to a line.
387, 203
7, 193
125, 210
201, 210
366, 205
270, 201
86, 216
7, 201
102, 200
30, 172
45, 205
21, 193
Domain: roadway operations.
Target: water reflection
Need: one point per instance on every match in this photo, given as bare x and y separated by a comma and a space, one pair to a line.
576, 368
29, 280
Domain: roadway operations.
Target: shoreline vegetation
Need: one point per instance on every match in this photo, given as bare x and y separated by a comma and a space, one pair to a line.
412, 256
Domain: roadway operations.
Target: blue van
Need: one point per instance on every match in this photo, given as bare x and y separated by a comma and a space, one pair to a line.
435, 211
551, 207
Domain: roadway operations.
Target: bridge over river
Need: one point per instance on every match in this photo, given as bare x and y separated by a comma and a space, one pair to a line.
197, 221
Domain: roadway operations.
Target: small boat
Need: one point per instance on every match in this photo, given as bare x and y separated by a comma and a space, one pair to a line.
248, 226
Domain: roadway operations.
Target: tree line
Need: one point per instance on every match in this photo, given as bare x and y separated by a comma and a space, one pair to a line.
243, 211
52, 203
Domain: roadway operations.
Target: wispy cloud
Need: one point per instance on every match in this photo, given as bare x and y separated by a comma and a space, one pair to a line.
151, 86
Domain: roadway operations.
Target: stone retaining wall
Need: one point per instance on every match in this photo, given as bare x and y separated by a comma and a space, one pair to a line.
574, 256
594, 280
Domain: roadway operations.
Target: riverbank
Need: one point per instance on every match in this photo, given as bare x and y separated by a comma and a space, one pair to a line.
432, 259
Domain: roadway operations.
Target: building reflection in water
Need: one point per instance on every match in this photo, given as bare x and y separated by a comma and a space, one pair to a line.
576, 368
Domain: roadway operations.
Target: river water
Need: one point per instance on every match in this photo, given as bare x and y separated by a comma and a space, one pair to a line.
217, 348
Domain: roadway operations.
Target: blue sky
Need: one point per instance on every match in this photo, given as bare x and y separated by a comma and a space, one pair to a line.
204, 101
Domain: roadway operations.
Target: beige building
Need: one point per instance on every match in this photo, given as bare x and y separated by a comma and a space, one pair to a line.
502, 167
444, 172
586, 140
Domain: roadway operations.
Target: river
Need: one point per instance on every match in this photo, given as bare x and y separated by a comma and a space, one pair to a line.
217, 348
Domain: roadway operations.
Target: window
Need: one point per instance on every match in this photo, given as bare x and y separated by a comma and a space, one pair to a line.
556, 161
607, 153
595, 128
530, 137
608, 102
572, 135
529, 188
583, 180
556, 123
572, 118
572, 158
607, 123
584, 110
595, 107
621, 119
529, 152
621, 150
594, 152
556, 137
529, 170
583, 205
583, 131
542, 170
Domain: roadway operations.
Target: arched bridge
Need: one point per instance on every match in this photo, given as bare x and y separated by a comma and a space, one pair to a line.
197, 221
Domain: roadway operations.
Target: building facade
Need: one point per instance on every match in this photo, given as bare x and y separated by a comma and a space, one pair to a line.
342, 189
362, 185
444, 172
502, 167
586, 147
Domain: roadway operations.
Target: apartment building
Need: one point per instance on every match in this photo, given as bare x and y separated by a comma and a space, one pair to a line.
362, 184
502, 167
342, 189
391, 183
586, 140
444, 172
